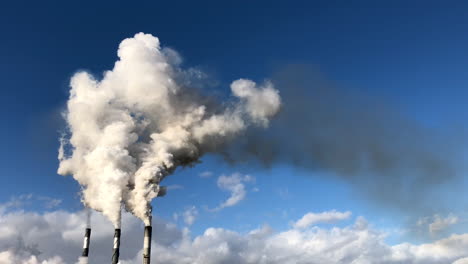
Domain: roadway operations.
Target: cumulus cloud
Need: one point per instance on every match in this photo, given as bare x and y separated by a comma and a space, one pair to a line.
442, 223
235, 185
461, 261
437, 223
10, 257
324, 217
27, 200
190, 215
49, 203
206, 174
56, 238
357, 244
15, 202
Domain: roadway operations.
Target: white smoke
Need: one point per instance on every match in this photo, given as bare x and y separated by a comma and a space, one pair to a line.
10, 257
82, 260
136, 125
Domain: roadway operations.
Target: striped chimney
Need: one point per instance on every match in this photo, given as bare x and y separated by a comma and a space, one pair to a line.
147, 244
86, 242
116, 254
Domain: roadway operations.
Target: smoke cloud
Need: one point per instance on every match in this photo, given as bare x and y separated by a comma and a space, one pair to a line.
141, 121
82, 260
386, 155
136, 125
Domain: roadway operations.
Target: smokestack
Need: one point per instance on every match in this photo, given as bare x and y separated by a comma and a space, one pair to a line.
86, 243
115, 255
147, 243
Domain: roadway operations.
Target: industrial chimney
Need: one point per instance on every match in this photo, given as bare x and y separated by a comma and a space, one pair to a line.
86, 243
147, 243
162, 190
115, 255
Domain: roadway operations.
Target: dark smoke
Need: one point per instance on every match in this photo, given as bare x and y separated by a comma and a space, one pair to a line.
391, 158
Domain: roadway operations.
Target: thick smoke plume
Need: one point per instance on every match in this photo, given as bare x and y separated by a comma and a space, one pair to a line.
389, 157
140, 122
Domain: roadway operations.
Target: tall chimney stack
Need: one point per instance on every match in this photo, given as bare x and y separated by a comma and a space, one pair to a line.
86, 242
115, 255
147, 243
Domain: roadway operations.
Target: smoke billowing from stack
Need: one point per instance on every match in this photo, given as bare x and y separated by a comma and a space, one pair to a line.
142, 120
116, 249
86, 240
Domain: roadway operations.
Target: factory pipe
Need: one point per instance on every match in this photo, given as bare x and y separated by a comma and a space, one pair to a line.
147, 244
115, 255
86, 242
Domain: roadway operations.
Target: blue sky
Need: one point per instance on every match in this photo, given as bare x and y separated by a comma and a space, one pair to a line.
410, 55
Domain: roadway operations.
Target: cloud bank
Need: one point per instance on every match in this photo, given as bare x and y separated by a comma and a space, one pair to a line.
56, 238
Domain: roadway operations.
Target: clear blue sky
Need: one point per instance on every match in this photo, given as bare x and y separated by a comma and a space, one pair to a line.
411, 53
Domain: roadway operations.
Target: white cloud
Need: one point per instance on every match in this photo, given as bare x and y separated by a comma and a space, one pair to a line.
440, 223
324, 217
50, 203
437, 223
206, 174
16, 202
27, 200
356, 244
461, 261
190, 215
175, 216
56, 238
235, 185
11, 257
